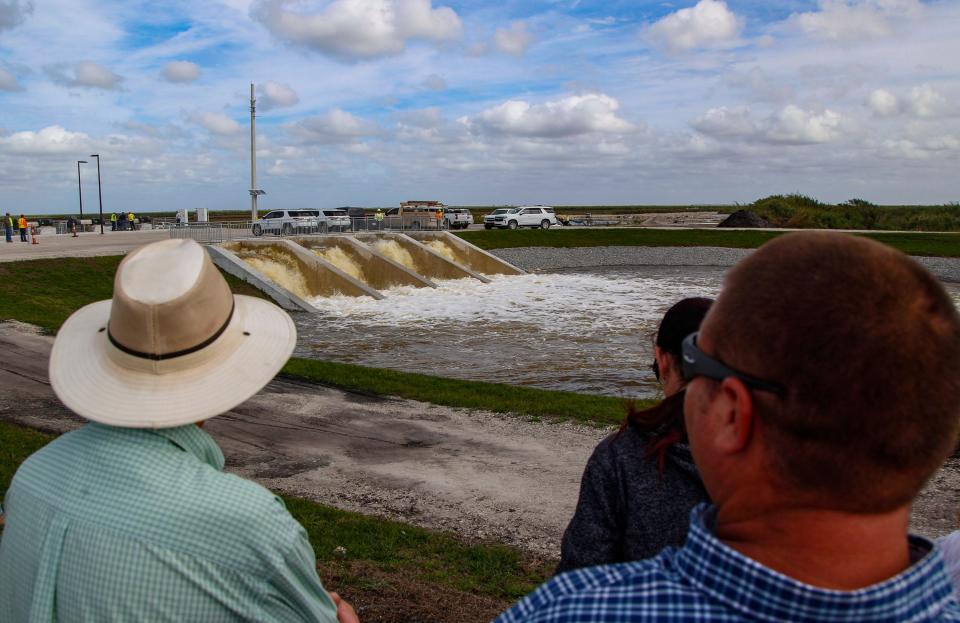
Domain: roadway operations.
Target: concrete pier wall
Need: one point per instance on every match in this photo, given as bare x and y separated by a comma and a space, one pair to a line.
473, 257
376, 270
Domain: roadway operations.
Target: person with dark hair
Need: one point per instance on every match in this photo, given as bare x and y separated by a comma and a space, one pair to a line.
823, 391
640, 484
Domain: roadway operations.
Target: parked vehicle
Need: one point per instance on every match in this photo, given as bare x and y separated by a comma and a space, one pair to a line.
522, 216
287, 222
457, 218
490, 221
417, 217
335, 220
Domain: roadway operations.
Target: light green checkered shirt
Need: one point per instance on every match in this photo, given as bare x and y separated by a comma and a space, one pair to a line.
120, 524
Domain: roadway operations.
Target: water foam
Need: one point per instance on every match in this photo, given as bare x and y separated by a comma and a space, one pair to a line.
573, 331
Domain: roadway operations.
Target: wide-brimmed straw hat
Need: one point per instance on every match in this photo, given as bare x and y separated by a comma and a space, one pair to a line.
173, 346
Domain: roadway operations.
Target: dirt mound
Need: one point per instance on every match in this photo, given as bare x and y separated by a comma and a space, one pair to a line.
745, 218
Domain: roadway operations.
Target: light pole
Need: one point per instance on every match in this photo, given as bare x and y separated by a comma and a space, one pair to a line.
79, 187
99, 190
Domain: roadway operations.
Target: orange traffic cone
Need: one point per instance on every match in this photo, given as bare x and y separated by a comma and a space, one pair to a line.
33, 235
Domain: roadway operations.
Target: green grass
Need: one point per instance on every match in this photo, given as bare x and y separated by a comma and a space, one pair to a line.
46, 292
395, 548
925, 244
513, 399
16, 444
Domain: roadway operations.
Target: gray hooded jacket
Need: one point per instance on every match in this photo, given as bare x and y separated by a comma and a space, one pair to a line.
627, 509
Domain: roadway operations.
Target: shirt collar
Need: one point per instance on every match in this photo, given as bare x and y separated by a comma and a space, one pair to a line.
192, 439
917, 594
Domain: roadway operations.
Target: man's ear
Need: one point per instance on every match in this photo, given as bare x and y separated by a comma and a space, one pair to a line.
735, 415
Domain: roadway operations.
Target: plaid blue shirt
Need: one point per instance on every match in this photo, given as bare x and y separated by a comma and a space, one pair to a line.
707, 581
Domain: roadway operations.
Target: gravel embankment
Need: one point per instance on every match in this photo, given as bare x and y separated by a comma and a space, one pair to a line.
545, 258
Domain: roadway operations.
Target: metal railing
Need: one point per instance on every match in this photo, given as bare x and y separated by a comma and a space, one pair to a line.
217, 232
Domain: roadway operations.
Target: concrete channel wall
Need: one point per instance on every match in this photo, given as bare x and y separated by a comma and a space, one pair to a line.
233, 265
291, 271
473, 257
378, 271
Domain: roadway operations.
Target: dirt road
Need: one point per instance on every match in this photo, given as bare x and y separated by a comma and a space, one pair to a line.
479, 474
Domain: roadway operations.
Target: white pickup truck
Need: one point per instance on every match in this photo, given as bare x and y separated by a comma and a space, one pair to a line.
457, 218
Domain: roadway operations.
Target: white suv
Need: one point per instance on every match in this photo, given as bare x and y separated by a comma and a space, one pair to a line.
287, 222
336, 220
523, 216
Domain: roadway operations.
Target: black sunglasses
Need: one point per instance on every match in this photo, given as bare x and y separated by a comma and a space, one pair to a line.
697, 363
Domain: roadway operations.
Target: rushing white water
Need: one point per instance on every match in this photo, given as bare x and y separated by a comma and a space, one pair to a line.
342, 260
441, 248
393, 250
280, 268
575, 331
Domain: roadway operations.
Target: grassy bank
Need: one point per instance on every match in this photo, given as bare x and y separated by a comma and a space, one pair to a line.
386, 553
458, 393
924, 244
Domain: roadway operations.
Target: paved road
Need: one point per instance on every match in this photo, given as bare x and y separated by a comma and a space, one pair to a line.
84, 245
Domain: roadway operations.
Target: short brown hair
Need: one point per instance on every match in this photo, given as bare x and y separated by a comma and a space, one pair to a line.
866, 343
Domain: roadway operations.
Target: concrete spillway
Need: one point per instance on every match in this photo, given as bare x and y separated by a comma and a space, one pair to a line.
294, 271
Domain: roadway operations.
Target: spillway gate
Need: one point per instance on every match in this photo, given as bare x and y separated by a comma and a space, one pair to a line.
295, 270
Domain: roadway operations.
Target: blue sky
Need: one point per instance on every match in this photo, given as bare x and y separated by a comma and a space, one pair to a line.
371, 102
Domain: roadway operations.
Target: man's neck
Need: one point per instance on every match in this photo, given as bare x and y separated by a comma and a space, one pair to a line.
823, 548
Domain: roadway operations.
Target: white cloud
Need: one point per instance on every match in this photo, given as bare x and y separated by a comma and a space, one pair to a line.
796, 125
84, 74
50, 140
337, 126
513, 40
218, 123
181, 71
8, 81
790, 125
883, 103
726, 122
13, 13
434, 82
847, 20
923, 102
926, 102
360, 29
709, 24
570, 116
276, 95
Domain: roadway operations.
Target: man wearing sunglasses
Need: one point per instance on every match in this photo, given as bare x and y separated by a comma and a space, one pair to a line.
824, 390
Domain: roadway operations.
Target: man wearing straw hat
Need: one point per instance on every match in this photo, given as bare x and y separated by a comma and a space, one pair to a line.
131, 516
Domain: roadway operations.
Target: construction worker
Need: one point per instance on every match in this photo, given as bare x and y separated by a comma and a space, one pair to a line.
439, 215
378, 217
22, 224
8, 227
113, 221
130, 220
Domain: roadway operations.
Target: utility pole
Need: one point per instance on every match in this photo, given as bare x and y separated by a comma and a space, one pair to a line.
254, 191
